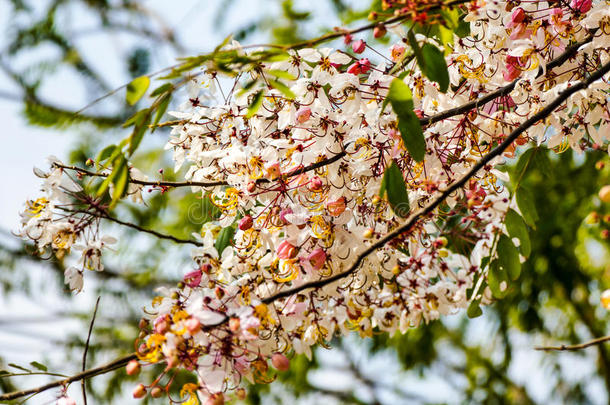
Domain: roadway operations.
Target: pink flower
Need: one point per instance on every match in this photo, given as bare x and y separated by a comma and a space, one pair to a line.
582, 6
317, 258
337, 207
245, 223
359, 46
512, 70
396, 52
303, 114
518, 22
315, 184
193, 279
280, 362
516, 18
286, 250
347, 39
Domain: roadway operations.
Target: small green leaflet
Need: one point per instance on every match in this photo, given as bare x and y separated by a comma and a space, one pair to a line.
19, 367
139, 129
39, 366
508, 257
401, 99
517, 229
527, 206
393, 184
474, 309
431, 61
136, 89
256, 103
285, 90
224, 239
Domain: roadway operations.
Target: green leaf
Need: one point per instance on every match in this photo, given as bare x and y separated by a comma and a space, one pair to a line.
527, 206
139, 130
517, 229
136, 89
436, 66
474, 309
282, 88
118, 163
39, 366
408, 124
542, 162
281, 74
19, 367
161, 110
523, 164
497, 279
256, 103
106, 153
120, 181
161, 89
224, 239
393, 184
508, 257
4, 372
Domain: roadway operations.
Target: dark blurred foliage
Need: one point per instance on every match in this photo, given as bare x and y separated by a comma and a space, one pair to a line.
555, 300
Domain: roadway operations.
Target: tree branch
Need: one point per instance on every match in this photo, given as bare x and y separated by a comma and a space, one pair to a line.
97, 302
574, 347
113, 365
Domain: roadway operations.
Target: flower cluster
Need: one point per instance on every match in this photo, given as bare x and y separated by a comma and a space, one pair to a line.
295, 164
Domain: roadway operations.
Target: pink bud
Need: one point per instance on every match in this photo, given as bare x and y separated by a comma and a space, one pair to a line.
354, 69
193, 326
251, 187
337, 207
365, 65
379, 31
316, 184
245, 223
359, 46
161, 325
133, 367
280, 362
582, 6
139, 391
303, 114
347, 38
66, 401
286, 250
317, 258
273, 170
517, 17
193, 278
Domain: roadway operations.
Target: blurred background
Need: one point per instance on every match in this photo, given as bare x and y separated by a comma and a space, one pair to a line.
59, 56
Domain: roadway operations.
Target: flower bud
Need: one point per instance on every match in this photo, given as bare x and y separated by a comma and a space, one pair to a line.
582, 6
133, 367
251, 187
286, 250
368, 234
156, 392
379, 31
600, 164
604, 194
337, 207
347, 39
193, 278
376, 200
316, 184
139, 391
604, 234
162, 325
245, 223
359, 46
280, 362
234, 324
303, 114
143, 324
89, 162
592, 218
317, 258
240, 393
193, 326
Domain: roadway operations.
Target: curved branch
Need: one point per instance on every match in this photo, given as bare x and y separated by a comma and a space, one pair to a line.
574, 347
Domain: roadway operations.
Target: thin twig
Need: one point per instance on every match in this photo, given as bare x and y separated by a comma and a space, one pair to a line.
574, 347
113, 365
97, 302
